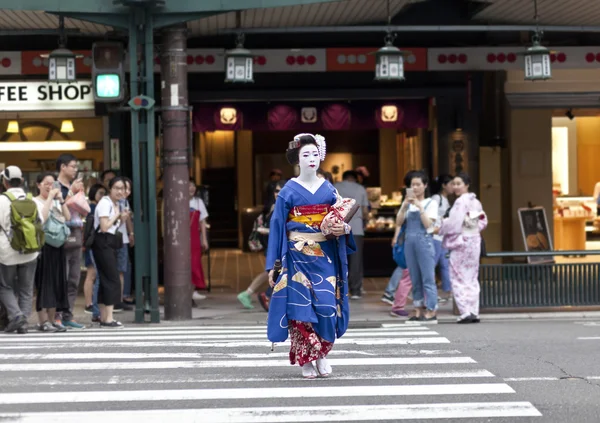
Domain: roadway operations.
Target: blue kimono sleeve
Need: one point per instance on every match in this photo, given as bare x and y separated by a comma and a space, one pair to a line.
277, 230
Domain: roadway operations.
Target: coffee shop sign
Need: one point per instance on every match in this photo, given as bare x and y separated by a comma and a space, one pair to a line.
45, 96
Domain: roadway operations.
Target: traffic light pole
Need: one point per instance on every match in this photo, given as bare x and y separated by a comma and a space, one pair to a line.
175, 118
144, 165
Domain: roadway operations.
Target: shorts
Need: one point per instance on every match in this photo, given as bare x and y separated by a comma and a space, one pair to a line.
123, 258
88, 258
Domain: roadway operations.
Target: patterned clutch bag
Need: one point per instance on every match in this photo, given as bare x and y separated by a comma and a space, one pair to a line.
343, 210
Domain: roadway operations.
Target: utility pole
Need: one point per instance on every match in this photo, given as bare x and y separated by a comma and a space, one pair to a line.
175, 118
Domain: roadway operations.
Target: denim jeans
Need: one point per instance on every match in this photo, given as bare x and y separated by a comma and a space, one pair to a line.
442, 261
392, 286
420, 256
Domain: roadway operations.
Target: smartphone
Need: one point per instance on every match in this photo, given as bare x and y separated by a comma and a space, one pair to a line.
410, 193
56, 185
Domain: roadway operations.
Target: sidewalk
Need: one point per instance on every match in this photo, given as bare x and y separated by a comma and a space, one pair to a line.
223, 308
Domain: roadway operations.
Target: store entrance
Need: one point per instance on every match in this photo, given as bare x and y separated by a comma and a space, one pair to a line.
576, 179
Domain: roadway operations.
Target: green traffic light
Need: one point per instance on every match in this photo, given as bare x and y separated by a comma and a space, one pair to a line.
108, 85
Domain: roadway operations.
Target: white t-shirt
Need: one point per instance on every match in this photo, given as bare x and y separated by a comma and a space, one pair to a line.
442, 209
106, 208
431, 211
196, 203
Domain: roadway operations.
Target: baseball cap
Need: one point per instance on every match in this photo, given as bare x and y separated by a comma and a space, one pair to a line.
12, 172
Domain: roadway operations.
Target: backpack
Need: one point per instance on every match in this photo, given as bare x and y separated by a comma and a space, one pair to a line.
27, 235
89, 234
55, 230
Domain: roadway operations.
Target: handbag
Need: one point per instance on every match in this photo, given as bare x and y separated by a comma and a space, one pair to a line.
79, 204
56, 230
74, 240
343, 210
398, 248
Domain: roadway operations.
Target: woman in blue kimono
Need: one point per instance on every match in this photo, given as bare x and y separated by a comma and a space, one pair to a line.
310, 296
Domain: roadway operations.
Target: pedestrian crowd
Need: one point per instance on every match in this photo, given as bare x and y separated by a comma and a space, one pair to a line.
47, 234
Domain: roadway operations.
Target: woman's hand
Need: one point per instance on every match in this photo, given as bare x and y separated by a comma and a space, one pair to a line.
131, 239
271, 281
54, 194
124, 216
204, 243
338, 229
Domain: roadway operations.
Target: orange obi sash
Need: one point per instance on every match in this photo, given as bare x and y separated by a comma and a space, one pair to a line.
311, 215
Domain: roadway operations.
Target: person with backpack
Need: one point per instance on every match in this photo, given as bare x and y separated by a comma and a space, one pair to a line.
21, 240
51, 274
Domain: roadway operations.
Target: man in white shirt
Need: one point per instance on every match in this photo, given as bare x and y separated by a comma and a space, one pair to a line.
17, 270
350, 188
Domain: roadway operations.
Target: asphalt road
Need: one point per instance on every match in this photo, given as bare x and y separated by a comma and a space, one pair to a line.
512, 371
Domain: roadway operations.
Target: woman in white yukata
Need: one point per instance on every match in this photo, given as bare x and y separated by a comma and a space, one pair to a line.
462, 236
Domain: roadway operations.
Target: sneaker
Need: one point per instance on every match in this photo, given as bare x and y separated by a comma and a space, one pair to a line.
118, 308
96, 319
264, 301
46, 327
16, 324
429, 320
476, 319
245, 299
89, 309
355, 297
58, 325
23, 330
399, 313
72, 324
442, 300
388, 299
196, 296
112, 325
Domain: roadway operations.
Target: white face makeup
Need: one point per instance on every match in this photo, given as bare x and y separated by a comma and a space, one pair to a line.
309, 160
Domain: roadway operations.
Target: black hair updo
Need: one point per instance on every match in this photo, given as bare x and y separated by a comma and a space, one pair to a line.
293, 154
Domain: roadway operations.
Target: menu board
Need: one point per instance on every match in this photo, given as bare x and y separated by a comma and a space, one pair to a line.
536, 234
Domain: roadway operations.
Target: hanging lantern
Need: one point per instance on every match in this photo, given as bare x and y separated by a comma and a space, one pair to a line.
61, 65
389, 61
238, 63
537, 61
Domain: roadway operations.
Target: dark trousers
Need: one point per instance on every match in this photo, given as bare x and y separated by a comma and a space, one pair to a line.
73, 267
355, 267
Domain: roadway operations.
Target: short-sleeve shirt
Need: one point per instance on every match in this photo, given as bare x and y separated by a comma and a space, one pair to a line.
196, 204
40, 206
348, 189
105, 208
443, 206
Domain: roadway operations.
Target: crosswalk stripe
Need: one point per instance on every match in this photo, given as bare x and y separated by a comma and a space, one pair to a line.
253, 393
52, 380
223, 344
378, 361
315, 414
233, 329
145, 356
57, 337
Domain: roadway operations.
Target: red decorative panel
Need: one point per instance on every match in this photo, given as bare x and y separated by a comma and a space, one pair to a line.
363, 59
33, 64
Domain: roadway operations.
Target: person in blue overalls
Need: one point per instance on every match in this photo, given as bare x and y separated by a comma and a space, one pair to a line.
419, 215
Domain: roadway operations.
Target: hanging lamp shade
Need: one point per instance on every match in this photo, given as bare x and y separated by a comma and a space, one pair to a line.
238, 63
61, 65
13, 127
67, 127
537, 62
389, 62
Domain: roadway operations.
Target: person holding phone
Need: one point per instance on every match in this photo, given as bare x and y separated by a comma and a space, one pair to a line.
126, 230
107, 242
420, 214
70, 184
